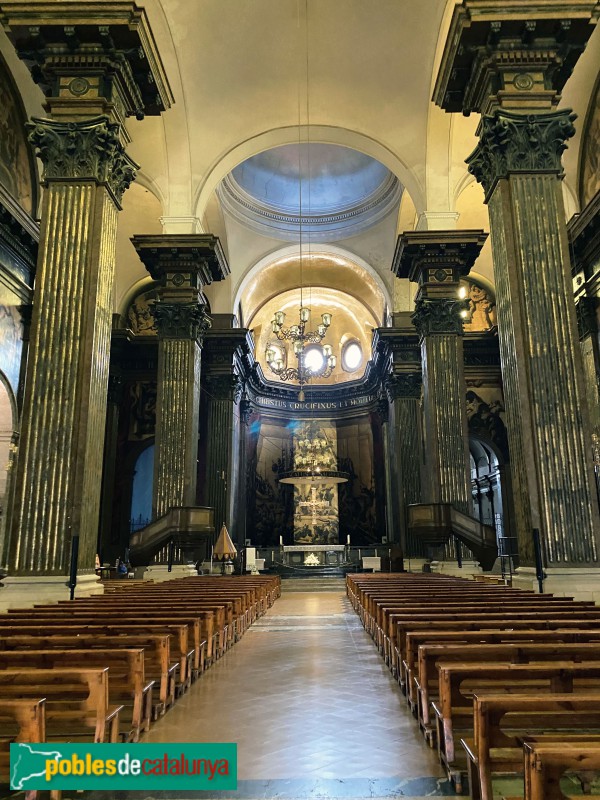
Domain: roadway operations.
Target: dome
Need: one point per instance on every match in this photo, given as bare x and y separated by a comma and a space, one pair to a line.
325, 190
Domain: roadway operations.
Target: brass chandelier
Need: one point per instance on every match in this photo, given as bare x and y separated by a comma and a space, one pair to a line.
314, 360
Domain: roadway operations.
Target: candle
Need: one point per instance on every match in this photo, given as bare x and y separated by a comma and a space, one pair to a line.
348, 539
281, 540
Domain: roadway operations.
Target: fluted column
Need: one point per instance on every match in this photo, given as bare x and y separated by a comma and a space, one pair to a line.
228, 359
518, 163
223, 393
94, 71
437, 260
60, 460
108, 538
404, 394
183, 263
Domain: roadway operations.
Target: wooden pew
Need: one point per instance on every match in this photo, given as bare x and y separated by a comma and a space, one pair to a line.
426, 681
486, 636
546, 763
465, 622
502, 722
21, 720
186, 647
77, 701
206, 636
49, 629
127, 680
129, 615
475, 607
454, 708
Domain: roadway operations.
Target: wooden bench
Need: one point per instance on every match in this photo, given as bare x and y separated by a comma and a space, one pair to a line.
454, 709
501, 723
475, 608
485, 636
77, 701
206, 636
546, 763
500, 622
21, 720
130, 615
426, 681
185, 647
168, 665
127, 680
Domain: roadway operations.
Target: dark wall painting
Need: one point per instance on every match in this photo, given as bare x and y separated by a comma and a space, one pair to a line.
590, 155
357, 497
16, 157
11, 343
272, 513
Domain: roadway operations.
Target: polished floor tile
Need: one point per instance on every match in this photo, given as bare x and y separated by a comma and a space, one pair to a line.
312, 707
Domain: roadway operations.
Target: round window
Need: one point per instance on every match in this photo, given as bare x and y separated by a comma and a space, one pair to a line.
352, 356
314, 360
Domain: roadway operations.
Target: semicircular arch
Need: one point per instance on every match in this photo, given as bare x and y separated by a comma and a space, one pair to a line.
324, 134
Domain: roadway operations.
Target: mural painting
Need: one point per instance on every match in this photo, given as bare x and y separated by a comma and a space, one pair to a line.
590, 158
357, 506
11, 344
16, 163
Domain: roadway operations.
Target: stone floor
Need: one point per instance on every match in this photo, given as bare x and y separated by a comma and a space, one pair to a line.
313, 709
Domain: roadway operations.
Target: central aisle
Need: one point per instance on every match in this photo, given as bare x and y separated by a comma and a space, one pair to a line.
312, 707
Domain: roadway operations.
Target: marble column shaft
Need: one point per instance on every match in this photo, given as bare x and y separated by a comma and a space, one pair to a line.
59, 468
542, 367
446, 431
510, 64
223, 393
437, 260
184, 264
177, 406
108, 539
404, 393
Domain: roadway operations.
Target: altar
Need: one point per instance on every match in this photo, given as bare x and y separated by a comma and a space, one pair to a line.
315, 555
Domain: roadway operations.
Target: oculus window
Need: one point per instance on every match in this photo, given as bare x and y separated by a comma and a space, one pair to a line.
352, 356
314, 359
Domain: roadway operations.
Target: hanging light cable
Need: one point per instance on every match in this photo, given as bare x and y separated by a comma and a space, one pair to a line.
314, 360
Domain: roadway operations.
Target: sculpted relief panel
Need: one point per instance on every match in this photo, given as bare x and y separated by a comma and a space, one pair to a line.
140, 314
480, 308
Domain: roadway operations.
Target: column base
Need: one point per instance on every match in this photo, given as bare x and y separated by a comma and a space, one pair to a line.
160, 572
581, 583
468, 569
29, 590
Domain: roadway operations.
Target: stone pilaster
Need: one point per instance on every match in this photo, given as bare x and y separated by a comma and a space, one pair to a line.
518, 163
222, 394
437, 260
183, 264
106, 537
226, 367
406, 446
92, 83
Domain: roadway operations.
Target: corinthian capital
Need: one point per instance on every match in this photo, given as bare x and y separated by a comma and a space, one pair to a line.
438, 316
513, 143
181, 321
83, 150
